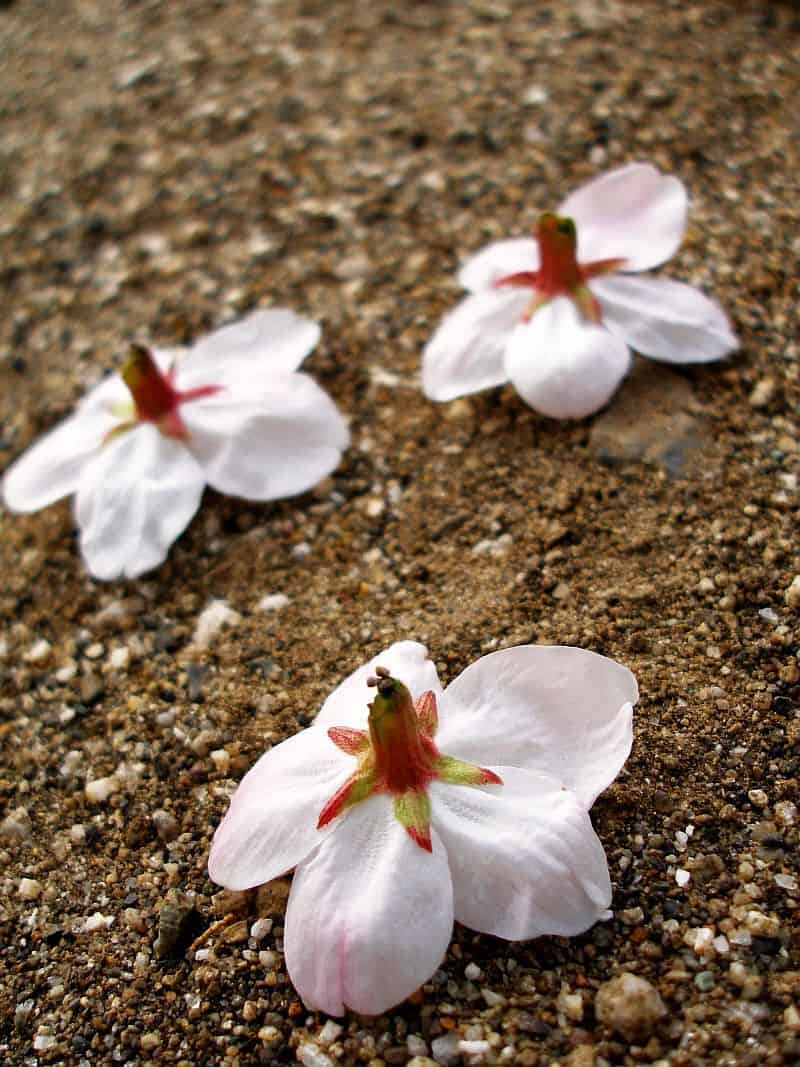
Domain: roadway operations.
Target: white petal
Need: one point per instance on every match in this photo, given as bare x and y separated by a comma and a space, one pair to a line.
498, 260
136, 496
271, 824
465, 353
276, 439
634, 212
265, 343
523, 856
407, 661
51, 468
665, 319
564, 711
564, 366
370, 915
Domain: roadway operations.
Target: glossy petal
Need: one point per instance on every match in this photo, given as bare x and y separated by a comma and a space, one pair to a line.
664, 319
465, 353
370, 915
548, 708
564, 366
136, 496
51, 468
634, 212
271, 825
523, 856
407, 661
276, 438
274, 341
498, 260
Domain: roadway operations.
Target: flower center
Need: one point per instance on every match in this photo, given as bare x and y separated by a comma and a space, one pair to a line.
155, 397
397, 755
560, 273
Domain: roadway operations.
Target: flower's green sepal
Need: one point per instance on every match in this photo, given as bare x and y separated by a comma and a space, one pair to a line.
413, 811
456, 772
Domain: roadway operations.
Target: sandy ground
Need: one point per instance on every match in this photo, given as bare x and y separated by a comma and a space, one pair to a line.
166, 166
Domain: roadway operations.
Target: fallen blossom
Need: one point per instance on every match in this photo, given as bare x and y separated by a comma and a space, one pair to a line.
232, 412
428, 805
557, 314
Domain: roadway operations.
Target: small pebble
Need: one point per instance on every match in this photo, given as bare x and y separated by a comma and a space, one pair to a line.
682, 877
120, 658
38, 652
273, 602
166, 825
212, 620
330, 1032
260, 929
29, 889
100, 789
792, 594
630, 1005
445, 1049
705, 981
16, 827
473, 972
313, 1056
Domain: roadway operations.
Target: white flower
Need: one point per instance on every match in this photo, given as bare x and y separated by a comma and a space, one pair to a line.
553, 315
395, 834
232, 412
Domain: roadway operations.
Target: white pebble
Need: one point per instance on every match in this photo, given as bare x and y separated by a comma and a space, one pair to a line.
492, 999
682, 877
221, 759
94, 651
67, 672
313, 1056
97, 921
100, 789
38, 652
260, 929
416, 1046
473, 972
329, 1032
273, 602
120, 658
301, 551
474, 1048
787, 882
445, 1049
792, 594
30, 889
211, 620
786, 813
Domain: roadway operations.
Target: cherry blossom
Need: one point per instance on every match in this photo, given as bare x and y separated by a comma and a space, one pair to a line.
428, 805
232, 412
557, 314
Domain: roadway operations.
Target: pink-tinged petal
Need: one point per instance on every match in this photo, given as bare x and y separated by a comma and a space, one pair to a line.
497, 260
465, 353
51, 468
664, 319
407, 661
635, 213
547, 708
564, 366
265, 343
523, 856
370, 914
274, 439
271, 825
136, 495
